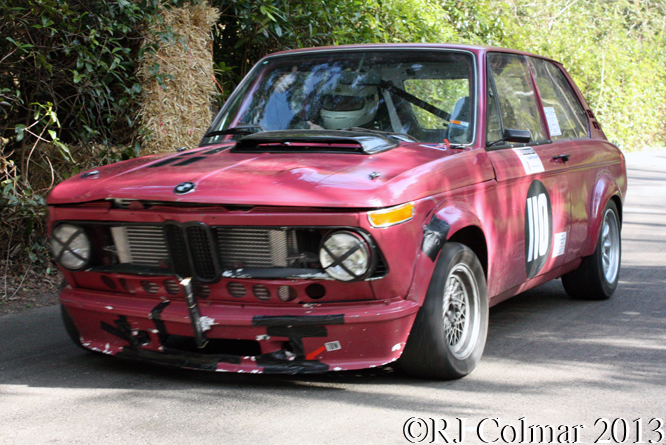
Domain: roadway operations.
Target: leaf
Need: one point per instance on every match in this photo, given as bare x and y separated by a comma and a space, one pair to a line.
20, 132
64, 150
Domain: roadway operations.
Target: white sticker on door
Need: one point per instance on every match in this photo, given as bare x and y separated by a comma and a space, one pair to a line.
559, 243
530, 160
553, 123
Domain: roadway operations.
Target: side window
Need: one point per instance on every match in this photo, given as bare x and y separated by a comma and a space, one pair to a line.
516, 96
564, 114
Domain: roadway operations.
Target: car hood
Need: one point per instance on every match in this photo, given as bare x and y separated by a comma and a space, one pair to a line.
217, 175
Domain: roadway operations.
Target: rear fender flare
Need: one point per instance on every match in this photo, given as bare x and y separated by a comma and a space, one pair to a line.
604, 190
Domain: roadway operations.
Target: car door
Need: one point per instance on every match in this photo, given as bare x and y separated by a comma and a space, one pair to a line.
532, 178
568, 126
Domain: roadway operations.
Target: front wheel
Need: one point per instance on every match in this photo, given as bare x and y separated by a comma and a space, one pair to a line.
597, 276
449, 333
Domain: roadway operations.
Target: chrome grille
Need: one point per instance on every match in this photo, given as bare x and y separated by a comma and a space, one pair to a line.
243, 247
141, 245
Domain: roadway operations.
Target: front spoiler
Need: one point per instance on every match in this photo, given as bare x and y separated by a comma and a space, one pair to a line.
272, 363
292, 339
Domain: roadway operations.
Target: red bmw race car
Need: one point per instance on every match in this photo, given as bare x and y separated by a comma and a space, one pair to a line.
349, 207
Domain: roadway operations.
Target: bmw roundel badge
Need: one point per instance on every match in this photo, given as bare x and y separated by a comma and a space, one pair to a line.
184, 188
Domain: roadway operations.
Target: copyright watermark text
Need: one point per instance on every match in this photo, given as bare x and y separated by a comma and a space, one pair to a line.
493, 430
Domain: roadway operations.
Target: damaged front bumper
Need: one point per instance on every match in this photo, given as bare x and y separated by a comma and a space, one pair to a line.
242, 337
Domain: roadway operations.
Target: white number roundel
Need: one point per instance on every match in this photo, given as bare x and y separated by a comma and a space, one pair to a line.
538, 228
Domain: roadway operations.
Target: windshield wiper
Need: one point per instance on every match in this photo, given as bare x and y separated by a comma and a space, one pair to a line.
239, 129
400, 136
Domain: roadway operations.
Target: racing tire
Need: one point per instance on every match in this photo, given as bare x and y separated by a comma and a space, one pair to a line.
598, 274
449, 333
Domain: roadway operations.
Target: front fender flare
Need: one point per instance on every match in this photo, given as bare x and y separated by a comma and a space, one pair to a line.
444, 221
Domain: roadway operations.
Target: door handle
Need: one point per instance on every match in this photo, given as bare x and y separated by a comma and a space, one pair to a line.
564, 158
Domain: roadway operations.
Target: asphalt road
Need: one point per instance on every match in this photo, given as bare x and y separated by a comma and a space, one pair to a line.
549, 360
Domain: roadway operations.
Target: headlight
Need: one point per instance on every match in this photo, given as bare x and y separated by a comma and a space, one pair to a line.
345, 256
70, 246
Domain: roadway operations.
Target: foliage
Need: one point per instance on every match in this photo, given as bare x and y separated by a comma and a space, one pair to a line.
24, 219
615, 52
248, 30
66, 80
477, 21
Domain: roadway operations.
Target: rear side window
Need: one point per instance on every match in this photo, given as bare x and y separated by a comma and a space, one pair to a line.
515, 94
565, 115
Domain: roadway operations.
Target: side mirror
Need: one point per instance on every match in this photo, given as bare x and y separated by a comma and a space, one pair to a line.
521, 136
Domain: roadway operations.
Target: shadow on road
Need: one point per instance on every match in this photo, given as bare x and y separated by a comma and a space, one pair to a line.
541, 328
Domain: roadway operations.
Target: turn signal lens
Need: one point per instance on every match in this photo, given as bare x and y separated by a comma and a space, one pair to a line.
392, 215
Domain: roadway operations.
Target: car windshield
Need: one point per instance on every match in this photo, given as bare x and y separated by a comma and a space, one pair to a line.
426, 95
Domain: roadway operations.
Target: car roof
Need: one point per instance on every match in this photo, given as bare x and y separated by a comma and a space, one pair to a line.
477, 49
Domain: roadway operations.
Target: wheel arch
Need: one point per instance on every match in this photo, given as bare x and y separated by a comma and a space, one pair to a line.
473, 237
605, 191
455, 222
465, 228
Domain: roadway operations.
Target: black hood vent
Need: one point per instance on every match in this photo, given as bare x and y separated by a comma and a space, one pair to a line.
314, 141
189, 161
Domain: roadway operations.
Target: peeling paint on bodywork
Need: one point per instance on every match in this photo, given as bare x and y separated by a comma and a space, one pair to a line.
206, 323
238, 273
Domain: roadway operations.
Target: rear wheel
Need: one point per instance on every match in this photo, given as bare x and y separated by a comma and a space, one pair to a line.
449, 333
597, 276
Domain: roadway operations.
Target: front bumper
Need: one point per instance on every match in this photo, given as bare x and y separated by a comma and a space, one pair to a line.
281, 339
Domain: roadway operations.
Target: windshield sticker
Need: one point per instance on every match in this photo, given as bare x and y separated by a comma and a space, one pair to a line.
531, 161
559, 244
553, 123
459, 124
538, 228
